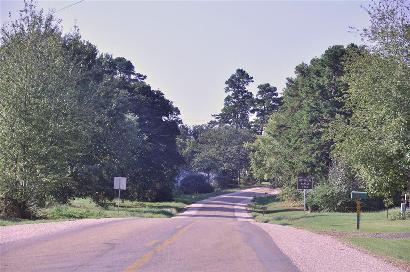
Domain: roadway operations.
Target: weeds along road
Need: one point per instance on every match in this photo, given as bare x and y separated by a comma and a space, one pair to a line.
212, 235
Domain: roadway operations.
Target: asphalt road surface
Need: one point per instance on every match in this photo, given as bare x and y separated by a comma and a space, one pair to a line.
213, 235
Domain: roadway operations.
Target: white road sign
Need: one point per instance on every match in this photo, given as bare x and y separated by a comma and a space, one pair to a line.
120, 183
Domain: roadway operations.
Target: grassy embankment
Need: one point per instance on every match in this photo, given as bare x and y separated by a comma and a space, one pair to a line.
342, 225
80, 208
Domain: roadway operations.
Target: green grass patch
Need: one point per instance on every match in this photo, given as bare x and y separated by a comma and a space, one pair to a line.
5, 221
278, 212
272, 210
397, 248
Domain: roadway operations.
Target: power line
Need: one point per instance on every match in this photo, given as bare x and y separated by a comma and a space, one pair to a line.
69, 6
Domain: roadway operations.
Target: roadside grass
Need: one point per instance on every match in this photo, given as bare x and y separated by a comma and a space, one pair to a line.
398, 249
81, 208
278, 212
272, 210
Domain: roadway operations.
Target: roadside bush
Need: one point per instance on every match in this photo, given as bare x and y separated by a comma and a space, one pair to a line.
13, 207
328, 197
63, 190
399, 216
290, 194
65, 211
222, 181
17, 201
247, 179
195, 184
100, 199
334, 194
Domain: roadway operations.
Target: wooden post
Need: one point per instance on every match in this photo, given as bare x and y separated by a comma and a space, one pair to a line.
358, 210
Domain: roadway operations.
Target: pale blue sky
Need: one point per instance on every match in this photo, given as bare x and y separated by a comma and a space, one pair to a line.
189, 49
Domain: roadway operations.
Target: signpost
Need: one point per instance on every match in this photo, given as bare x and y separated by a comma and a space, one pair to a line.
304, 183
120, 184
358, 196
404, 205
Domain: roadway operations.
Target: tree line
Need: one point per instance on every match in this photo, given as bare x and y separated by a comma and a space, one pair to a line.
73, 118
343, 119
218, 148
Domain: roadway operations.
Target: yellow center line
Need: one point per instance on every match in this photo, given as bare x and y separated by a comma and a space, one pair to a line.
147, 256
151, 243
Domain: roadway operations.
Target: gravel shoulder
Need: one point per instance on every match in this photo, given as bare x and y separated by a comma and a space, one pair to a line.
16, 233
312, 252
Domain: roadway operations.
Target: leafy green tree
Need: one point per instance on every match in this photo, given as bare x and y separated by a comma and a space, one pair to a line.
389, 30
71, 119
265, 103
219, 151
187, 143
41, 113
134, 133
238, 102
376, 138
296, 139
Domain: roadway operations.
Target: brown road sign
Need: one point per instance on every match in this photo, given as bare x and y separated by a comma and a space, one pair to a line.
305, 183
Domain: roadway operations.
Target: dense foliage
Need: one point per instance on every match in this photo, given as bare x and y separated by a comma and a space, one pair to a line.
72, 119
347, 112
375, 139
295, 140
219, 152
238, 102
265, 103
219, 148
195, 184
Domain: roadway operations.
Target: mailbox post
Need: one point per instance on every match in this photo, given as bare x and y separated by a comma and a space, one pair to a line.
358, 196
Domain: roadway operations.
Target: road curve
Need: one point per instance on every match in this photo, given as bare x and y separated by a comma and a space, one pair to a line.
212, 235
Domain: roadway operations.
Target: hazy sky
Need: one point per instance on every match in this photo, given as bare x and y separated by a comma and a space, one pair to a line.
189, 49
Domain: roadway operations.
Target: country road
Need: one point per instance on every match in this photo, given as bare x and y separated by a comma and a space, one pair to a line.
216, 234
213, 235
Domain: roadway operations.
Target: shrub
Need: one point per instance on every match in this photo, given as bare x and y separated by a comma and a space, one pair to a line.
66, 211
290, 194
333, 194
17, 201
17, 207
195, 184
399, 216
329, 197
223, 181
247, 179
